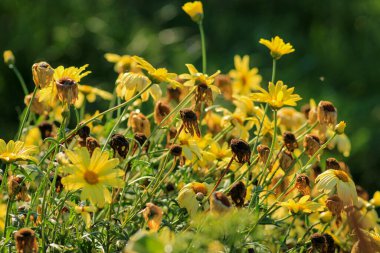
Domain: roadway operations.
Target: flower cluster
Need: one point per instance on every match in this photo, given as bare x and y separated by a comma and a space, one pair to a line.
196, 162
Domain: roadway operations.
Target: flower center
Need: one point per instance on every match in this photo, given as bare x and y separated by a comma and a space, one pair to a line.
66, 82
341, 175
91, 177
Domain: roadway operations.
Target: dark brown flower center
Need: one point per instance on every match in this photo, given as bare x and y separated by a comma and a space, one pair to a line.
66, 82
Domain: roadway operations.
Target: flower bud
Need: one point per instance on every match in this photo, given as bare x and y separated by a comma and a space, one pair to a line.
199, 196
241, 150
9, 58
340, 127
26, 241
325, 217
42, 74
194, 10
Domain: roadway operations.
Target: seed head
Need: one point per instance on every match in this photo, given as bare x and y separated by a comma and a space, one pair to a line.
26, 241
176, 150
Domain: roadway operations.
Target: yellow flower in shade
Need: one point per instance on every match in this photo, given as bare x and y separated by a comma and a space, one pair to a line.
277, 96
3, 209
9, 58
84, 211
244, 79
277, 47
157, 76
90, 93
128, 84
189, 195
17, 151
92, 175
123, 63
304, 205
337, 182
194, 10
65, 85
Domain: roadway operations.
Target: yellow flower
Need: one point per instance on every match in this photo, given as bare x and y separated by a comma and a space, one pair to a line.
84, 211
197, 78
337, 182
278, 95
277, 47
303, 205
9, 58
194, 10
160, 75
376, 199
130, 83
65, 85
123, 63
93, 175
244, 79
16, 151
339, 128
187, 197
90, 93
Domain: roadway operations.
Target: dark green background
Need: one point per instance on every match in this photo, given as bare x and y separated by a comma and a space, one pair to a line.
336, 41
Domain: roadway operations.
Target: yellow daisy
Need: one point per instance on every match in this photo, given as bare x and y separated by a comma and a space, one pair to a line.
194, 10
277, 47
197, 78
84, 211
90, 93
337, 182
123, 63
303, 205
17, 151
92, 175
277, 96
244, 79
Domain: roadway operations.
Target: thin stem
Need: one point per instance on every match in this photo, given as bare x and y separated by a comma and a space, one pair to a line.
120, 117
20, 78
274, 70
203, 42
26, 114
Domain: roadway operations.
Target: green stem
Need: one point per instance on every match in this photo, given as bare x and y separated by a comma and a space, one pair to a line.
274, 70
203, 42
120, 117
19, 76
26, 114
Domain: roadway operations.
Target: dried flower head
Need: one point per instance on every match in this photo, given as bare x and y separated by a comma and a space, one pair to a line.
161, 110
42, 74
176, 150
84, 132
17, 188
327, 113
286, 160
317, 242
139, 123
305, 109
238, 193
203, 94
332, 163
26, 241
37, 107
303, 184
140, 141
311, 144
263, 151
219, 203
190, 122
173, 93
153, 216
120, 145
241, 150
290, 141
46, 129
91, 144
362, 192
223, 82
335, 206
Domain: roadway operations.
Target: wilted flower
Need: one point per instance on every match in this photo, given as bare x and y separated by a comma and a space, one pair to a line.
161, 110
153, 216
46, 130
42, 74
219, 203
223, 82
17, 188
238, 193
335, 206
139, 123
120, 145
290, 141
332, 163
311, 144
277, 47
327, 113
26, 241
140, 139
190, 122
91, 144
286, 160
263, 151
241, 150
303, 184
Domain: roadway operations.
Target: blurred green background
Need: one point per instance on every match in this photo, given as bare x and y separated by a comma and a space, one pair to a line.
337, 47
